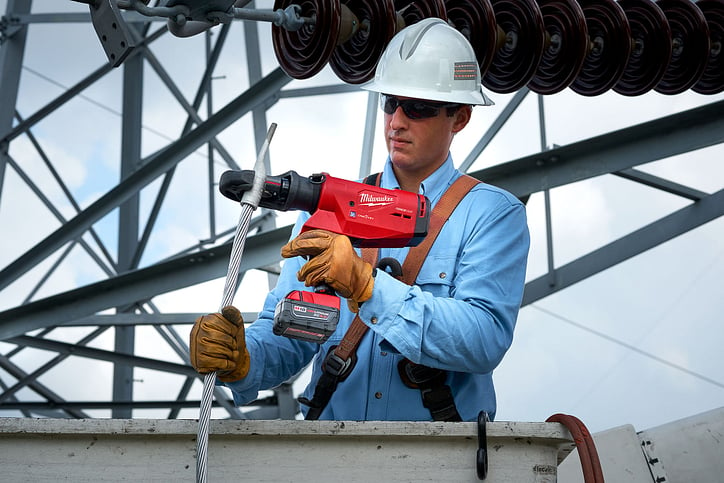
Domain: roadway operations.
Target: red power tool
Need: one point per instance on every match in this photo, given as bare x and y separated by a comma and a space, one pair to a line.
370, 216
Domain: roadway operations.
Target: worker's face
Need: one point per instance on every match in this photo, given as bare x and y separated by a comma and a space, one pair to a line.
417, 147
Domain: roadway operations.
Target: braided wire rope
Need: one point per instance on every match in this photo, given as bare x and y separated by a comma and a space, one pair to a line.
249, 203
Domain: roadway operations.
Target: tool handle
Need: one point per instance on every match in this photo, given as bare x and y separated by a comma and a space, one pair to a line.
324, 288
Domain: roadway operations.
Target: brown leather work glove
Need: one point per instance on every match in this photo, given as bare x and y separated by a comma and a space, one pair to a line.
217, 344
334, 262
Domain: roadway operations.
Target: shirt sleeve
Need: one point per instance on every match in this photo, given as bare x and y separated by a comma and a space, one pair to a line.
461, 313
274, 359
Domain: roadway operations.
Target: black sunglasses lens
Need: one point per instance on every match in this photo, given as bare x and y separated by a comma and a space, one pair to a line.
419, 110
389, 104
414, 109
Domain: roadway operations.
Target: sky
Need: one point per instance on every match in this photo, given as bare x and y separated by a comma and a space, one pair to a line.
639, 343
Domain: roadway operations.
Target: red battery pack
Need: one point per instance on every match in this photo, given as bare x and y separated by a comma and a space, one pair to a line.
308, 316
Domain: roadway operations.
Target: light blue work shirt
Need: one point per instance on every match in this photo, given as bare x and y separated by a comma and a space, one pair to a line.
459, 316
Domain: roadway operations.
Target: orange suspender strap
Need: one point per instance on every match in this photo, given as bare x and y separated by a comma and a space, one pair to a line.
341, 358
443, 209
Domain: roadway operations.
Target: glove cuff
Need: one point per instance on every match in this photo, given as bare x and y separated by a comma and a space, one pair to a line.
241, 370
366, 293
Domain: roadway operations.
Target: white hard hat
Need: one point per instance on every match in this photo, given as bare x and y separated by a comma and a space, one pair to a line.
430, 60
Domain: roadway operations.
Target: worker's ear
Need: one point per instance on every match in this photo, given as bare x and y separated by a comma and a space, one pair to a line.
461, 118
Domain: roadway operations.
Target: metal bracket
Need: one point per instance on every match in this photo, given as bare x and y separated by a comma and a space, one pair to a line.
199, 10
115, 36
481, 464
8, 27
656, 466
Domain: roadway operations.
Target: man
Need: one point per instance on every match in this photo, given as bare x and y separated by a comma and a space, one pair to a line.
458, 317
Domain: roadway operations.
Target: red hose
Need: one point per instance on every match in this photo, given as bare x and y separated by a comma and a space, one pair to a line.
590, 463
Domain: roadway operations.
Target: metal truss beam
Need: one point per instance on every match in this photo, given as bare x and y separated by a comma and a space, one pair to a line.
7, 135
661, 184
38, 388
12, 51
265, 404
128, 405
612, 152
104, 355
617, 153
179, 318
261, 92
141, 285
650, 236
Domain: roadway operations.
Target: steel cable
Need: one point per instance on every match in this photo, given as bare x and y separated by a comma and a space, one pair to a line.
249, 203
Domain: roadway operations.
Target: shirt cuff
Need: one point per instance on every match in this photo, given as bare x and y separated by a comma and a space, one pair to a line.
245, 390
388, 295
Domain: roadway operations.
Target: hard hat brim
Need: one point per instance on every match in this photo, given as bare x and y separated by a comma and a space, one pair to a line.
477, 98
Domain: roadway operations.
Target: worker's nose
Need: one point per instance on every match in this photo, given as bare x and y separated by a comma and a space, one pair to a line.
398, 118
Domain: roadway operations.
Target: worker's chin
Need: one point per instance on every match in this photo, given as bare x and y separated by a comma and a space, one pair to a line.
401, 159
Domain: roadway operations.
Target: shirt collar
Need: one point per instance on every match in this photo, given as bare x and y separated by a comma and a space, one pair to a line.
433, 186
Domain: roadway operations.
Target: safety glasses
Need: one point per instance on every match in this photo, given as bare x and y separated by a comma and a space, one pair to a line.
413, 108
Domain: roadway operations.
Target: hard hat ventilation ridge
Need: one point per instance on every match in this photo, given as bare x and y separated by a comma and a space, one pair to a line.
408, 47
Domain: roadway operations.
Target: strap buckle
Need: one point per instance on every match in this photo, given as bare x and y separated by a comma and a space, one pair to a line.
436, 396
334, 370
417, 376
439, 401
336, 366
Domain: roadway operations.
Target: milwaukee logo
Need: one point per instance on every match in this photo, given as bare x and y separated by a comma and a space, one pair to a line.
368, 199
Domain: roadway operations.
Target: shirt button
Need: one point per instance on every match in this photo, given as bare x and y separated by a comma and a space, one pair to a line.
373, 320
383, 353
378, 395
443, 275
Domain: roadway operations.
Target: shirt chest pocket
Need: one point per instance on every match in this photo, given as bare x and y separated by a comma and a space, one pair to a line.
437, 275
